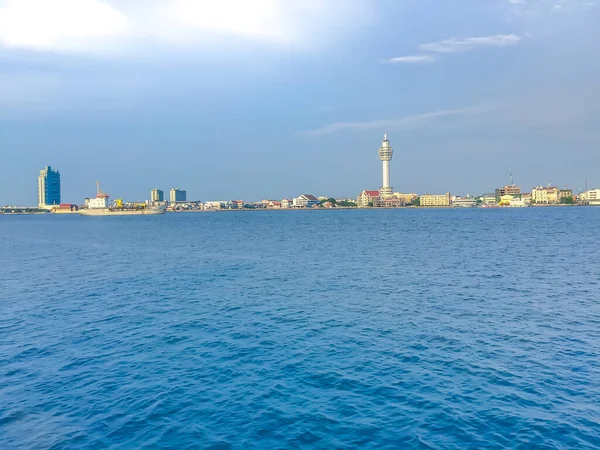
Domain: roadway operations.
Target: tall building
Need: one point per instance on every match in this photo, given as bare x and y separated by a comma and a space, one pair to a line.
177, 195
385, 155
157, 195
48, 187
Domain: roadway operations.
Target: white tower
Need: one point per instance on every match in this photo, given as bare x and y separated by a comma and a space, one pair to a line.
385, 155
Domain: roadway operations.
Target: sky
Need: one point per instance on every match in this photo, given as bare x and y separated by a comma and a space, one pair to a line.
274, 98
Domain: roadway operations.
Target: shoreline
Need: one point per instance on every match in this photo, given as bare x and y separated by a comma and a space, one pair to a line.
68, 213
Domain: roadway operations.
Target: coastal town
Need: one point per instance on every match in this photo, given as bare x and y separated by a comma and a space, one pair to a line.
508, 196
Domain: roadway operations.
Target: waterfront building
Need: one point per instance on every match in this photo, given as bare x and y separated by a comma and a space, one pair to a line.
545, 195
565, 193
156, 195
273, 204
464, 202
177, 195
385, 155
305, 201
513, 190
407, 199
367, 198
515, 201
388, 202
591, 197
287, 203
435, 200
48, 187
489, 199
215, 204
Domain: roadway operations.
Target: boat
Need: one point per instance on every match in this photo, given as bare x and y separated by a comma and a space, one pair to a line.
112, 211
100, 206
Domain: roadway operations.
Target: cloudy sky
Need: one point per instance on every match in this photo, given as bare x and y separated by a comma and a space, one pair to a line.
273, 98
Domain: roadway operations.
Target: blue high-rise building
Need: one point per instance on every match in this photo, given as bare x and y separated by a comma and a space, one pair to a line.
48, 187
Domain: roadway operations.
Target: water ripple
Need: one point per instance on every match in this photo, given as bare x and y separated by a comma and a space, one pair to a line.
451, 330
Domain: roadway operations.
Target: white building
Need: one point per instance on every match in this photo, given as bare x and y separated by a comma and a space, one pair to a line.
215, 204
464, 202
286, 203
591, 197
305, 201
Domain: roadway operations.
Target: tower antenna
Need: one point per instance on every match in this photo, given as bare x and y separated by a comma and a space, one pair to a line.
512, 182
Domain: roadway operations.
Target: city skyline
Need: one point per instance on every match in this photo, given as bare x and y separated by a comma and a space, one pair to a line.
231, 110
49, 188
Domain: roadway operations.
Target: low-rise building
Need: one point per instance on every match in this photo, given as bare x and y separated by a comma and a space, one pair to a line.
65, 208
464, 202
407, 199
273, 204
545, 195
435, 200
367, 198
306, 201
388, 202
513, 190
591, 197
565, 193
488, 199
215, 204
287, 203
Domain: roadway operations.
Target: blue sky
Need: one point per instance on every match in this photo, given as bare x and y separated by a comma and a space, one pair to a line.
273, 98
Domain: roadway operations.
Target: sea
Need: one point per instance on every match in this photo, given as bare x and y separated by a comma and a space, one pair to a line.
349, 329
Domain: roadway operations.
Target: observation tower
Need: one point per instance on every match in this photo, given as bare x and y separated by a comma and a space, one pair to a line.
385, 155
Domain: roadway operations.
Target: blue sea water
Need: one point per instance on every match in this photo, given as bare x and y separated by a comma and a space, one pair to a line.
442, 329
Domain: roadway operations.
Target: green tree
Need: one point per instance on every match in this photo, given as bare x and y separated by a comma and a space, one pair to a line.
416, 201
567, 200
331, 200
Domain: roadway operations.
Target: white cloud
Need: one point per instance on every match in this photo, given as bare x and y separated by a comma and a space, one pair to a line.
456, 45
58, 24
404, 123
413, 59
258, 18
85, 25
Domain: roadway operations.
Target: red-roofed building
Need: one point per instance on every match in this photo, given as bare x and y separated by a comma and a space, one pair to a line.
367, 198
68, 206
